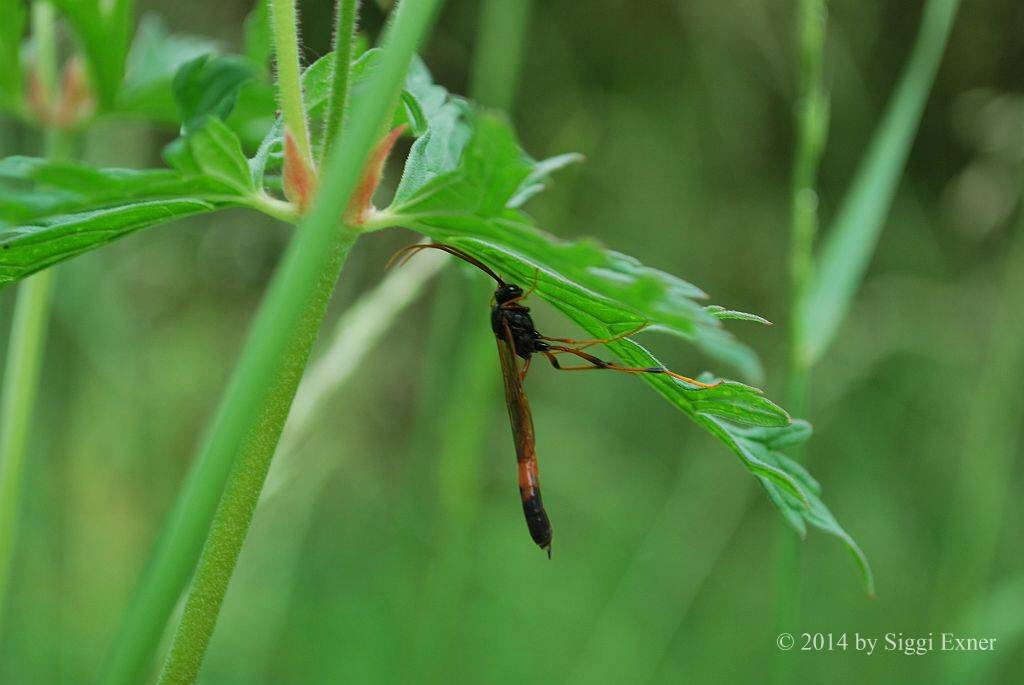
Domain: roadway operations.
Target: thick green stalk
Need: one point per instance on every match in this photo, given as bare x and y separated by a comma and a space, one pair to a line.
242, 491
344, 52
274, 351
285, 29
28, 332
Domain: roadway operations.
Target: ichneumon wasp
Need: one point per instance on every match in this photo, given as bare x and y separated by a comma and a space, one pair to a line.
518, 338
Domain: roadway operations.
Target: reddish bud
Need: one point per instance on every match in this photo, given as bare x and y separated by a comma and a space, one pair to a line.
361, 205
76, 100
299, 175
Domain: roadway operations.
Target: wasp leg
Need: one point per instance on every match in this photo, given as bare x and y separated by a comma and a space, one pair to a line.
597, 363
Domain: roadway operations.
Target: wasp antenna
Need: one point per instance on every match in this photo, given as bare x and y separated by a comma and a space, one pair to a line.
413, 249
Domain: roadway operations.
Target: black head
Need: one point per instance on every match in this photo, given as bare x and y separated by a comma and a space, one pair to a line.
507, 292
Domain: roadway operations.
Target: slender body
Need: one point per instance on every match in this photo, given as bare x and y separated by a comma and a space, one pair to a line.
518, 339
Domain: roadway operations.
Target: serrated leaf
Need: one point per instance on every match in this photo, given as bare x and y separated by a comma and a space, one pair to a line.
27, 249
154, 59
607, 293
209, 86
798, 512
470, 202
11, 31
437, 151
33, 188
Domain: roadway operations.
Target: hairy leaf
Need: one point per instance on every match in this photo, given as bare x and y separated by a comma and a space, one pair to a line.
27, 249
33, 188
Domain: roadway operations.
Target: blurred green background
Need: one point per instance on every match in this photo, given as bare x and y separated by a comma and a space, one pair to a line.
391, 547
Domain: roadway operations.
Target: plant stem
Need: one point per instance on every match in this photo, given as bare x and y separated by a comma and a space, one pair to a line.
499, 51
811, 132
28, 330
271, 362
344, 53
285, 29
244, 484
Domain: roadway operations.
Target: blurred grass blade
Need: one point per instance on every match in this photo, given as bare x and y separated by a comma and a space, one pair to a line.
849, 245
978, 501
499, 52
20, 386
11, 28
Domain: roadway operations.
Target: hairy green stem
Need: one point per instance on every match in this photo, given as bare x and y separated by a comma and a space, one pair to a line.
28, 331
285, 30
276, 349
244, 484
344, 52
498, 59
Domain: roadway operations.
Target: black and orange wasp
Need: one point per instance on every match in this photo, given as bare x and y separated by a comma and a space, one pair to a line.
518, 338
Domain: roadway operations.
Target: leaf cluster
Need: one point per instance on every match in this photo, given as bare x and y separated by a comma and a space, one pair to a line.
464, 183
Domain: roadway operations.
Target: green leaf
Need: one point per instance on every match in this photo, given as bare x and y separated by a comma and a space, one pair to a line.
856, 228
437, 151
258, 38
764, 444
218, 155
104, 30
155, 57
468, 205
27, 249
471, 202
33, 188
11, 31
209, 86
723, 314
